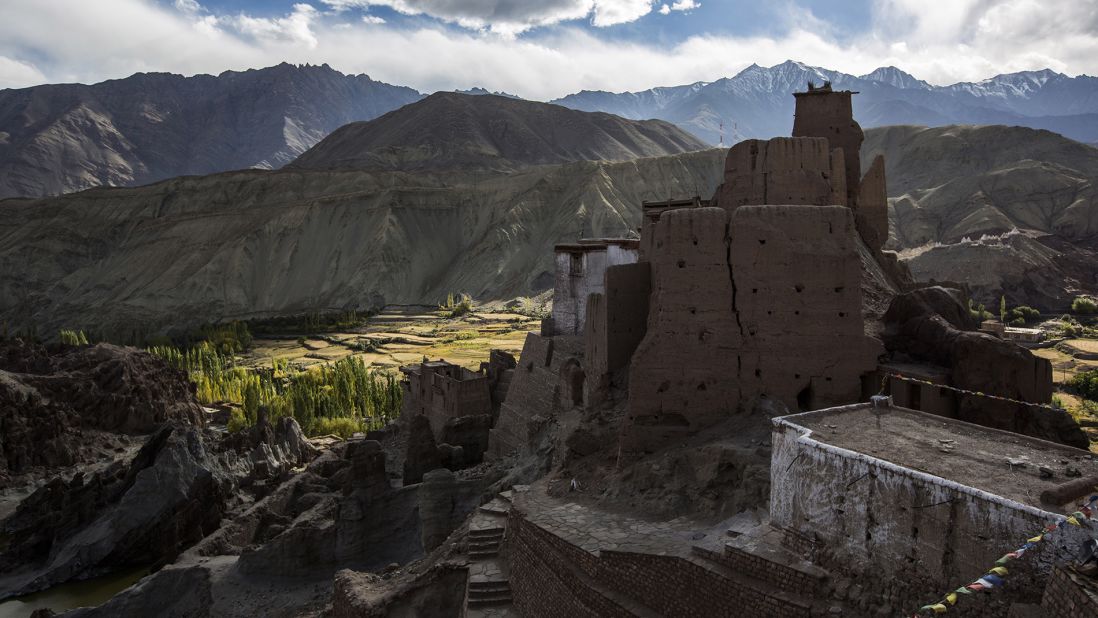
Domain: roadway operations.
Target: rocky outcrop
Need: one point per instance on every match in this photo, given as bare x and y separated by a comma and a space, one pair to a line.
933, 325
50, 398
146, 511
171, 495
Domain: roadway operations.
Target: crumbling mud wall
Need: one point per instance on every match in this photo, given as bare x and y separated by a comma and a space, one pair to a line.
799, 303
909, 535
533, 396
782, 170
616, 323
825, 113
765, 302
443, 391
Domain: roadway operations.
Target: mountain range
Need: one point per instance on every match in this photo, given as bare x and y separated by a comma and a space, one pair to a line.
1005, 209
756, 102
61, 138
450, 130
66, 137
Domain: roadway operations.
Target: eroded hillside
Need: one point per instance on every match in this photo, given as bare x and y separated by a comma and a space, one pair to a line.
450, 130
256, 243
1007, 210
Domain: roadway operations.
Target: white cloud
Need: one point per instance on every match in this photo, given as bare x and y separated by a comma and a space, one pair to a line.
372, 19
16, 74
991, 37
295, 27
511, 17
188, 6
685, 5
679, 5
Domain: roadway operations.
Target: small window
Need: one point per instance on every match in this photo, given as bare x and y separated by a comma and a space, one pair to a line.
575, 264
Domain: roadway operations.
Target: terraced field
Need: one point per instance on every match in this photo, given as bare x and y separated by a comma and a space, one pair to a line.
403, 335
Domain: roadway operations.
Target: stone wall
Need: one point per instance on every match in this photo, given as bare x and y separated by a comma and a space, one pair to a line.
908, 535
442, 391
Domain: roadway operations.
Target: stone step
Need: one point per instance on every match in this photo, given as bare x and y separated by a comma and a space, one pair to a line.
483, 545
494, 599
507, 495
489, 588
483, 553
486, 533
496, 507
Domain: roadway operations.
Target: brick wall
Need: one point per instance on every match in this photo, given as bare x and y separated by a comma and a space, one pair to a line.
552, 577
782, 576
675, 586
1069, 595
548, 576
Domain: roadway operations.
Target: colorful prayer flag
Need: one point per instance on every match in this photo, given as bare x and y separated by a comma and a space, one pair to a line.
999, 570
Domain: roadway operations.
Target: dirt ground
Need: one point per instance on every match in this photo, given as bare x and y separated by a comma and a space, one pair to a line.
403, 335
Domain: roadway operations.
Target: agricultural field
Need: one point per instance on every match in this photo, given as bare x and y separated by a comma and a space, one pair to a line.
400, 336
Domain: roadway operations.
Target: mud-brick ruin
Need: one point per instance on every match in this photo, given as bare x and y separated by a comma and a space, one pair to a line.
754, 410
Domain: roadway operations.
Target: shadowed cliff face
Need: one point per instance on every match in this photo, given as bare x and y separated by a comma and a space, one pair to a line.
66, 137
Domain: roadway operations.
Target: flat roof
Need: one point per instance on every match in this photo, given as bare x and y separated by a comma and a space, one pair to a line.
967, 454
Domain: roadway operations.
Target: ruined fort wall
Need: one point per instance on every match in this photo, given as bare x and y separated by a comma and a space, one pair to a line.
799, 301
908, 534
683, 375
763, 302
616, 323
782, 170
831, 115
578, 274
533, 396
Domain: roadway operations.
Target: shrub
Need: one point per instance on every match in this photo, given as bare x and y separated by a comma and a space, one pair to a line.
1085, 384
1024, 313
341, 426
1084, 305
1017, 322
978, 312
73, 337
457, 308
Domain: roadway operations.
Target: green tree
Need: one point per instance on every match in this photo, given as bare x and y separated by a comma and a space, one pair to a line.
1084, 305
1002, 309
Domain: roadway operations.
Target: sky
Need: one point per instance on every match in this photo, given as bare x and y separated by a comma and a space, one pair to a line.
543, 49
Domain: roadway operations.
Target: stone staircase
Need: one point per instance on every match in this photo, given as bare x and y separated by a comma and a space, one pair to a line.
488, 590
